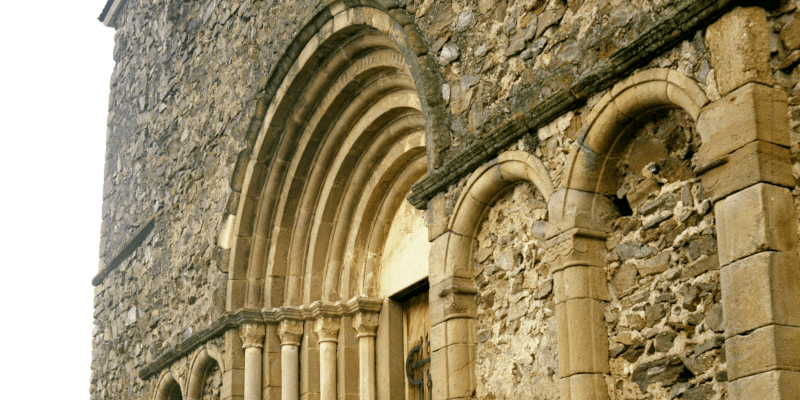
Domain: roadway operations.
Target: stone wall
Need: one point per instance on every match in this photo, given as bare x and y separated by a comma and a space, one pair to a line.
183, 93
183, 103
517, 344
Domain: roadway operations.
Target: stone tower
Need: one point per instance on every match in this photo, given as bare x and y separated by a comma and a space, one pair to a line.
450, 199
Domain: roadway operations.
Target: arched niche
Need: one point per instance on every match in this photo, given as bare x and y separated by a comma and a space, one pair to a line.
582, 213
205, 363
452, 295
167, 388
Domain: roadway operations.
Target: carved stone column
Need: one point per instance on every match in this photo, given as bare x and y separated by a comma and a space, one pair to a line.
327, 329
290, 333
252, 342
366, 325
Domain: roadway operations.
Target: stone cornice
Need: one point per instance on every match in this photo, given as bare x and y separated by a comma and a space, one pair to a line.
126, 250
273, 316
109, 13
690, 16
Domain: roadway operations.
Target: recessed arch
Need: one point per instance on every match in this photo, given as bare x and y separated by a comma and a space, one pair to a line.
452, 280
202, 364
591, 167
167, 387
581, 214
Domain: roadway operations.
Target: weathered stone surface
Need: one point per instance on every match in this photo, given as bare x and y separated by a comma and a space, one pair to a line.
756, 219
761, 290
754, 112
739, 44
767, 348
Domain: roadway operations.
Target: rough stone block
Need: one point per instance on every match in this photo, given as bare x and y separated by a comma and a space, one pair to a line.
753, 163
752, 112
583, 387
759, 218
772, 347
739, 44
770, 385
761, 290
580, 282
583, 337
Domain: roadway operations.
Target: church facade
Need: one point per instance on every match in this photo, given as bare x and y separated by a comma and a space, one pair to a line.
453, 199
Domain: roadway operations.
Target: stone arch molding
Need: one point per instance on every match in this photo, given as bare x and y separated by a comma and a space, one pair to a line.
452, 298
351, 97
166, 386
203, 361
581, 214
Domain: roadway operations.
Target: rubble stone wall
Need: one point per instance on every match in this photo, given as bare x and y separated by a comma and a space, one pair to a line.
517, 343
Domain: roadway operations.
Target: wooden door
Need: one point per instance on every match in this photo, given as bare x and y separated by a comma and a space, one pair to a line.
416, 335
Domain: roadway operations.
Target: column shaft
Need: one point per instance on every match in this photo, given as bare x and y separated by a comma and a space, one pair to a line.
252, 373
327, 370
366, 369
252, 342
290, 376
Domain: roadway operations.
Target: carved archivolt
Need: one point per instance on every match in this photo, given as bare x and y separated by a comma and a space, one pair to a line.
342, 141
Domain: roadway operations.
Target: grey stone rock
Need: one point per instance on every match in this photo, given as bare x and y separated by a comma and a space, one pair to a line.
714, 318
634, 249
625, 279
663, 342
633, 353
714, 343
666, 371
655, 313
449, 54
702, 392
698, 365
616, 350
465, 20
654, 265
544, 289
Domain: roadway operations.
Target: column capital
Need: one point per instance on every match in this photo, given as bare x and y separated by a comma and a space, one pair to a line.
574, 247
290, 332
365, 323
327, 329
252, 335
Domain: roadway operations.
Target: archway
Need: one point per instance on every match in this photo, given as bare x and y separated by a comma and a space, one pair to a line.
342, 141
168, 388
582, 213
452, 297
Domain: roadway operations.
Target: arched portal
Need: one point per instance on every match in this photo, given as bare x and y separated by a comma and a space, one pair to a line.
341, 143
340, 146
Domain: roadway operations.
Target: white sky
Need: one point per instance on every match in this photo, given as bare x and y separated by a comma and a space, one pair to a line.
55, 66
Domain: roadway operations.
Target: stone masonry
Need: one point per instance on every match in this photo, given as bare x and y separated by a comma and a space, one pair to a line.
610, 191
